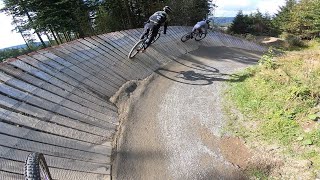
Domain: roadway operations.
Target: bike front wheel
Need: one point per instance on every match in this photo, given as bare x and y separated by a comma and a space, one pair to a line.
135, 49
36, 167
200, 36
186, 37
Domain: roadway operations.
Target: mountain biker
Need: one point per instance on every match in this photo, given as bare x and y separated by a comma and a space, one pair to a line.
154, 23
200, 27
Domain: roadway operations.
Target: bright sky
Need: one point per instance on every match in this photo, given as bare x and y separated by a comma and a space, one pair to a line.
7, 37
227, 8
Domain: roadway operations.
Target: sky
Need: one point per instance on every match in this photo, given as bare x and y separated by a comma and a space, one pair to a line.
229, 8
226, 8
7, 37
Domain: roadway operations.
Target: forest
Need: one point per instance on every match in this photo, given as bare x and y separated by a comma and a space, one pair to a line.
65, 20
297, 18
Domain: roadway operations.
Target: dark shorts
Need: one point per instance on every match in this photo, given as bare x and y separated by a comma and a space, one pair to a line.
150, 27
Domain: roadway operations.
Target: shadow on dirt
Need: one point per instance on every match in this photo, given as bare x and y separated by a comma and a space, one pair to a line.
196, 72
199, 74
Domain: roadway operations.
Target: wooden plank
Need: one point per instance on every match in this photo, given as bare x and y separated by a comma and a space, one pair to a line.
75, 175
111, 58
52, 97
89, 78
133, 66
62, 152
56, 124
56, 162
10, 176
75, 96
82, 70
48, 127
51, 139
98, 61
55, 73
16, 167
47, 77
56, 108
119, 63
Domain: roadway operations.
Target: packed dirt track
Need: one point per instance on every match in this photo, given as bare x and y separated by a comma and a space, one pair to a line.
172, 122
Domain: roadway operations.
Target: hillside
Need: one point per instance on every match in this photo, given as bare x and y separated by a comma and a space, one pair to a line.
223, 20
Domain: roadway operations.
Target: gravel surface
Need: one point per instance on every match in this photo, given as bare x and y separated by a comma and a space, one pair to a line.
172, 122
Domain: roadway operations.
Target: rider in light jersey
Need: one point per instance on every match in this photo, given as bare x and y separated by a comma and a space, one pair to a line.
201, 26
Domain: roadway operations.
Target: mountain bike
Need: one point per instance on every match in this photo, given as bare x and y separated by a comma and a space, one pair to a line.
140, 45
197, 35
36, 167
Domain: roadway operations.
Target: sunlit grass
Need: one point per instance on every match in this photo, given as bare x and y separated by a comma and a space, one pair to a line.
282, 95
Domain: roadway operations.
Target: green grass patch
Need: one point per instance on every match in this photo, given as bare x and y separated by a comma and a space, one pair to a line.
282, 96
280, 100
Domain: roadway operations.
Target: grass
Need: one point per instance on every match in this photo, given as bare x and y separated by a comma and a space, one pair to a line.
282, 96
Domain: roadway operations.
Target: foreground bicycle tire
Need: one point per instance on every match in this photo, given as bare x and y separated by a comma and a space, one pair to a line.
200, 36
36, 167
185, 37
135, 49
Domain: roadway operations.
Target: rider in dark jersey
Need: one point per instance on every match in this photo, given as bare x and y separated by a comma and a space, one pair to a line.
154, 23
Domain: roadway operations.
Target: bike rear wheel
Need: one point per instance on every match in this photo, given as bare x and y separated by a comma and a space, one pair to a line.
200, 36
186, 37
155, 38
36, 167
135, 49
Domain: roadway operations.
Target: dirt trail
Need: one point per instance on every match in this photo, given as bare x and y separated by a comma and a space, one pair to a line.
172, 122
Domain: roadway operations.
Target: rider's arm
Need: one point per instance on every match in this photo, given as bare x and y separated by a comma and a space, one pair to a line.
165, 27
206, 28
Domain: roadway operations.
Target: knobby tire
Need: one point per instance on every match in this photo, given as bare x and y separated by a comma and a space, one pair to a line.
200, 36
186, 37
155, 38
36, 167
135, 49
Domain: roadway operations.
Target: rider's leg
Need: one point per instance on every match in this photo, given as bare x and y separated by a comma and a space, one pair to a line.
195, 28
155, 31
146, 30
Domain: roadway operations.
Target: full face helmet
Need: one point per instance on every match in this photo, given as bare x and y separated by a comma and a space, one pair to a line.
167, 9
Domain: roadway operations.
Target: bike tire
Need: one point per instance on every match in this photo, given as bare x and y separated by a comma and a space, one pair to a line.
185, 37
36, 167
135, 49
201, 36
155, 38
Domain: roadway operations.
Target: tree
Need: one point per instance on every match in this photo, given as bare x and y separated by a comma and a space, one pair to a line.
20, 10
283, 17
300, 18
255, 23
241, 24
304, 20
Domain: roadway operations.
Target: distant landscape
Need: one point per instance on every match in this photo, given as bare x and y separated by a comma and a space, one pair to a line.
23, 46
222, 21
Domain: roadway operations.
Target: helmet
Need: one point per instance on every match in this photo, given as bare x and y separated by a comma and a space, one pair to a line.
167, 9
208, 21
